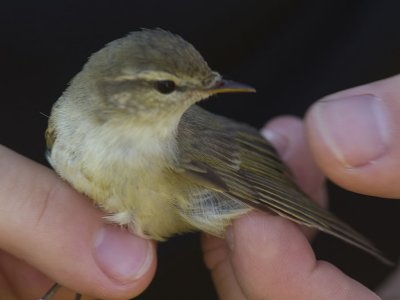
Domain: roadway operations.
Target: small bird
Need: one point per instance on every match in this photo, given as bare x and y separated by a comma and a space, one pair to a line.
128, 134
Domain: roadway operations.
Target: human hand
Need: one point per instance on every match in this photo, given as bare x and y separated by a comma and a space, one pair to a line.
355, 143
45, 225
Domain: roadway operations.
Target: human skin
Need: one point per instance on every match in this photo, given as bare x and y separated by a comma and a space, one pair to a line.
46, 227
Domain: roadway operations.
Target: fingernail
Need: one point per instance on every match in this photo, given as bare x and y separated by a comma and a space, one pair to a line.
279, 141
121, 255
354, 128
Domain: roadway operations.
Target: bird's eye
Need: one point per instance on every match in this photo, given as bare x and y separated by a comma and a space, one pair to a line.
165, 86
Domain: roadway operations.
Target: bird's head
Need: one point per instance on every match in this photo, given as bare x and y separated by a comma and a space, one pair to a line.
151, 73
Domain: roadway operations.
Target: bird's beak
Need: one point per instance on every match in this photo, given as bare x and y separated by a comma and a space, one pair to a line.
228, 86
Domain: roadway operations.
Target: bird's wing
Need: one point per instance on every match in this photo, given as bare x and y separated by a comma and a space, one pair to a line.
234, 159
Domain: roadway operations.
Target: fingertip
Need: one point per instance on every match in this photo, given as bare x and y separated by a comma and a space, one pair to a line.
353, 137
287, 134
122, 256
283, 132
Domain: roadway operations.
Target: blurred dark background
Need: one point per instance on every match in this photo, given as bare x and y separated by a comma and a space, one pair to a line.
292, 51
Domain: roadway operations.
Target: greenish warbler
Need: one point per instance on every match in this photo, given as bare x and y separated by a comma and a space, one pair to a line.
127, 133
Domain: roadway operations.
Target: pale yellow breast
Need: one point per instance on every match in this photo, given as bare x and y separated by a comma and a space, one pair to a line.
125, 171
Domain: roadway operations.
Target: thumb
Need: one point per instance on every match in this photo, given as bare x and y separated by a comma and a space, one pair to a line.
51, 227
355, 138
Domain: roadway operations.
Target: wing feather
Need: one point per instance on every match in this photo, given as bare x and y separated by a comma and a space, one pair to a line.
252, 172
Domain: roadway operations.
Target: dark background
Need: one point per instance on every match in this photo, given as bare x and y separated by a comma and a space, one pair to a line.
292, 51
